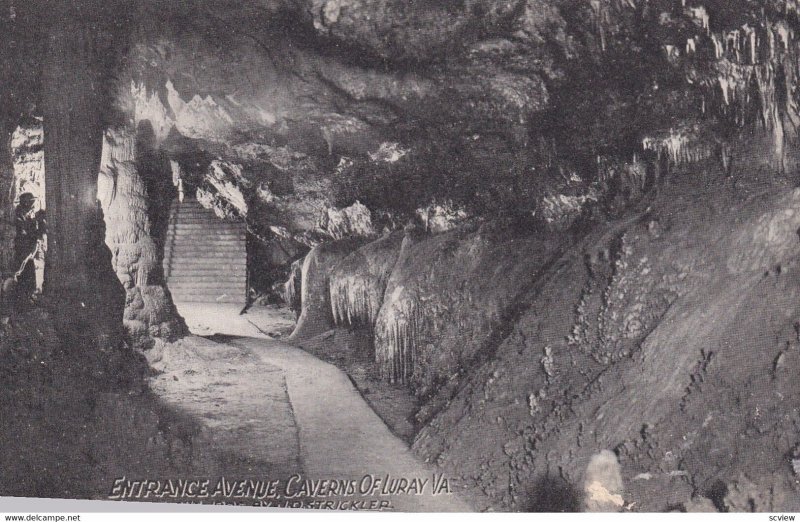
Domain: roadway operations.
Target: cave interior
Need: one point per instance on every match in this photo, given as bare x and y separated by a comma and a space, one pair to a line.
553, 245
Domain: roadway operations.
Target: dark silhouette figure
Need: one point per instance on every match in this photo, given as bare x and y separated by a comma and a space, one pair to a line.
30, 228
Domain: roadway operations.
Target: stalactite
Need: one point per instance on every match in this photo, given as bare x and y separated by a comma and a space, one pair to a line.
680, 147
725, 157
691, 46
354, 301
600, 19
672, 52
292, 286
750, 60
358, 283
719, 46
700, 14
396, 355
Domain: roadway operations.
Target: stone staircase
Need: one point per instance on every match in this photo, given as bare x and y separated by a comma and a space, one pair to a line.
205, 258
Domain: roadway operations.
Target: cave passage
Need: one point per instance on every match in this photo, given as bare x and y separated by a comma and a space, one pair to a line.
533, 246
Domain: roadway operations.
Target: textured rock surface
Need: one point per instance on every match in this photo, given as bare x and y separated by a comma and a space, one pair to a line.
659, 134
358, 282
316, 317
646, 334
132, 220
445, 296
71, 439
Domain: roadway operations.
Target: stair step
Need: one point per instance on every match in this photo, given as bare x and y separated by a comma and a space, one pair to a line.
187, 277
217, 263
183, 273
205, 237
185, 251
192, 259
207, 246
190, 266
191, 223
233, 300
207, 296
196, 211
205, 232
210, 241
194, 231
207, 290
209, 237
209, 272
210, 294
208, 286
215, 279
193, 219
206, 271
183, 284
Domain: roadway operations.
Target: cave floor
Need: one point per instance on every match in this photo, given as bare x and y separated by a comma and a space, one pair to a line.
208, 319
270, 409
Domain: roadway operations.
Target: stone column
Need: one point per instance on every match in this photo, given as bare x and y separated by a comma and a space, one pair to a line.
84, 295
132, 219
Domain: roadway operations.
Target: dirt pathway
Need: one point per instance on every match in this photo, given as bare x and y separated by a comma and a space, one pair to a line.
271, 409
340, 436
240, 402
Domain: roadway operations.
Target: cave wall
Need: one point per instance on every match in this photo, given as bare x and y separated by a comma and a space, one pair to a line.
644, 339
445, 297
635, 337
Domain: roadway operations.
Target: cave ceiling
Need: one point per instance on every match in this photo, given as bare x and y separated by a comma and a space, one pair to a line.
311, 105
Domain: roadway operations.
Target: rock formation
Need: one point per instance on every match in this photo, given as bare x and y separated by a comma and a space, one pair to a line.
566, 223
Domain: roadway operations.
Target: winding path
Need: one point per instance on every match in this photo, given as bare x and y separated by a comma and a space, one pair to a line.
270, 407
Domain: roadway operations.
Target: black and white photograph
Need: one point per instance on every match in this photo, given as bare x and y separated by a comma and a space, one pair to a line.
312, 256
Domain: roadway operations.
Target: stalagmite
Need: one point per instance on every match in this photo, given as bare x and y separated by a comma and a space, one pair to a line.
292, 287
316, 316
137, 260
